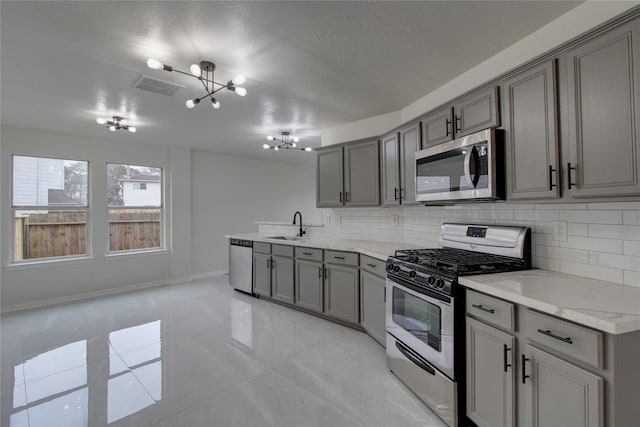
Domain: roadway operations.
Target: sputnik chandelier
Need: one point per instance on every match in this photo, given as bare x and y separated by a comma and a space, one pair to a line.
203, 71
285, 142
116, 123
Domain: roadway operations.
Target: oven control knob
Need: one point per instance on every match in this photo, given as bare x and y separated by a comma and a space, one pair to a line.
440, 283
412, 274
431, 280
389, 267
396, 268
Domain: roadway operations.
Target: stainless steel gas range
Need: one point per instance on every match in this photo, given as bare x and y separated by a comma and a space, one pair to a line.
426, 309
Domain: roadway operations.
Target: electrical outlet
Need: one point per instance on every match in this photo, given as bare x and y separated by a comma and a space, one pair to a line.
560, 231
396, 220
338, 219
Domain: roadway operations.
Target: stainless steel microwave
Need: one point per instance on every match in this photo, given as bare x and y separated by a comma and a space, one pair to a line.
468, 168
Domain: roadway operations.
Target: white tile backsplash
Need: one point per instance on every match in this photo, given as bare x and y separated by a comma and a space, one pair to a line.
603, 239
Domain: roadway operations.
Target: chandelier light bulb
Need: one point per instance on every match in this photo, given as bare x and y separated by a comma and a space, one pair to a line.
307, 149
270, 138
154, 64
295, 139
195, 70
132, 129
276, 148
101, 121
215, 104
266, 146
241, 91
293, 144
122, 122
239, 79
112, 128
192, 102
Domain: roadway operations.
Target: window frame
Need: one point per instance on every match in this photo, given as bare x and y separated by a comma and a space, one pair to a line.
55, 208
162, 208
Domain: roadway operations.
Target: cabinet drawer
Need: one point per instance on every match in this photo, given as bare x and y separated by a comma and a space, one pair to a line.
339, 257
576, 341
491, 310
262, 248
308, 253
282, 250
373, 265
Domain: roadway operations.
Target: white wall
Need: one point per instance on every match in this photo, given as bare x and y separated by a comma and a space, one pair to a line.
230, 193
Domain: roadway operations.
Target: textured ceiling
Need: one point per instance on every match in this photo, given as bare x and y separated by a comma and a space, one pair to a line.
310, 65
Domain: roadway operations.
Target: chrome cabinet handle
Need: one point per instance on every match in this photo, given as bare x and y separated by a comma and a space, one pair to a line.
480, 307
558, 337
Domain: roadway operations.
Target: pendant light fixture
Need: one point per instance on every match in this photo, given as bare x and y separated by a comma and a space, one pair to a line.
116, 123
203, 71
285, 142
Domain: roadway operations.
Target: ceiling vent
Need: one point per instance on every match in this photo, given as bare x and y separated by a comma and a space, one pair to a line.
156, 85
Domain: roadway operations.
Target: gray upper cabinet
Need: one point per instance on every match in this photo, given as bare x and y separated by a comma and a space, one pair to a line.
437, 127
362, 174
477, 112
530, 124
390, 169
409, 144
602, 89
329, 191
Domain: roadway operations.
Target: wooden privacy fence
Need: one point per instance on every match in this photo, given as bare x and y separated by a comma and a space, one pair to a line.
53, 234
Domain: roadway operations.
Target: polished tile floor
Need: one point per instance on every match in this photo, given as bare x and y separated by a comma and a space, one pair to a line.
190, 355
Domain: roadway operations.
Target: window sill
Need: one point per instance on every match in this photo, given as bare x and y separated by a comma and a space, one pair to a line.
26, 265
141, 253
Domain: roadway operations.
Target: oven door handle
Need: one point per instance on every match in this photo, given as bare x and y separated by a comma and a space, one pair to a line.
409, 355
471, 154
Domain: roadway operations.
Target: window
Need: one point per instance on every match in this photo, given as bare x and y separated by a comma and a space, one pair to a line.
50, 207
135, 217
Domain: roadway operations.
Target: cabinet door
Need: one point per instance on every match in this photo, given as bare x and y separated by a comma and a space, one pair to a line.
362, 174
329, 178
490, 375
409, 144
309, 282
437, 127
372, 306
282, 278
530, 124
341, 292
559, 393
476, 113
603, 90
390, 170
262, 274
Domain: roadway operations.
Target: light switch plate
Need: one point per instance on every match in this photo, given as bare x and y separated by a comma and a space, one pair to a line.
560, 231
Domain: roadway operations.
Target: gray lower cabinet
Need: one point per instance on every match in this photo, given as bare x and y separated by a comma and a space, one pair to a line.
490, 376
602, 90
282, 278
262, 274
530, 124
329, 191
341, 292
559, 393
309, 285
362, 174
372, 305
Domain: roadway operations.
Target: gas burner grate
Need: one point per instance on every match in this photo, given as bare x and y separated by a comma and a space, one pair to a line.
460, 261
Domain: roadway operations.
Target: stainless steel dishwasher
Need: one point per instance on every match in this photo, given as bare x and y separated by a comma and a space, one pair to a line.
240, 264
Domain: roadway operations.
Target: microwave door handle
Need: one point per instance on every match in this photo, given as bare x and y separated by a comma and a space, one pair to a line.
467, 166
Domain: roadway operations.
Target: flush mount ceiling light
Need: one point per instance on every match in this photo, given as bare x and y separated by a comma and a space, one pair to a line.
203, 71
285, 142
116, 123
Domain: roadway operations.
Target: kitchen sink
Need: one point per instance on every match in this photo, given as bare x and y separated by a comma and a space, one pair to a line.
294, 238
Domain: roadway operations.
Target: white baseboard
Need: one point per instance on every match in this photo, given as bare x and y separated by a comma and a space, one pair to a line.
106, 292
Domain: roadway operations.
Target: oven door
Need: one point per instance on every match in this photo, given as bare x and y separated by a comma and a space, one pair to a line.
457, 170
423, 320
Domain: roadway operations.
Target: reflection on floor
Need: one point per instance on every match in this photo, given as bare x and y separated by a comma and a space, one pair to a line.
196, 354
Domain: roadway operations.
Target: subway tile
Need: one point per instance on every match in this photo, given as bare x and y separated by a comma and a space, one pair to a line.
546, 263
631, 247
624, 232
593, 244
632, 278
543, 239
561, 206
575, 255
496, 215
509, 205
631, 217
576, 229
536, 215
592, 216
592, 271
623, 262
614, 205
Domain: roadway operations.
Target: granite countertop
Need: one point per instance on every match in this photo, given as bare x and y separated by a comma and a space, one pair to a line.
605, 306
379, 250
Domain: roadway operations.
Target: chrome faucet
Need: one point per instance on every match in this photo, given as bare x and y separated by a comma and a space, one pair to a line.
301, 232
